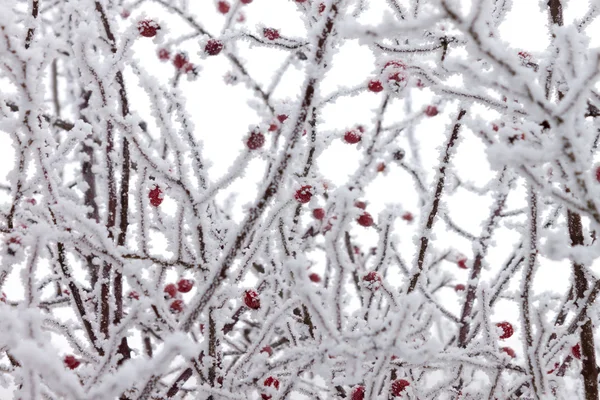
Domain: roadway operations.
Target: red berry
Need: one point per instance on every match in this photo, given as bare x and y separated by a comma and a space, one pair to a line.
462, 263
155, 196
267, 349
459, 287
576, 351
398, 77
507, 329
398, 386
553, 369
318, 213
189, 67
365, 220
315, 278
177, 306
381, 167
241, 17
223, 7
358, 393
270, 381
321, 8
148, 28
420, 84
282, 118
598, 173
495, 127
352, 137
251, 299
300, 1
180, 60
272, 127
525, 55
395, 64
71, 362
163, 54
408, 217
3, 297
170, 290
31, 201
373, 280
125, 14
509, 351
271, 33
304, 194
360, 204
185, 285
213, 47
375, 86
132, 295
256, 140
431, 111
245, 1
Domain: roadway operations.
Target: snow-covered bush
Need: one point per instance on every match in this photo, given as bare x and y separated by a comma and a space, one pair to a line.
298, 199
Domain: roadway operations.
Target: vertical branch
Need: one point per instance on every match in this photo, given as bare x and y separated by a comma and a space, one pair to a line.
435, 202
589, 370
35, 4
533, 367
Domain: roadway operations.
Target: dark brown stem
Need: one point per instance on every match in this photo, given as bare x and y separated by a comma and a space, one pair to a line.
436, 201
589, 370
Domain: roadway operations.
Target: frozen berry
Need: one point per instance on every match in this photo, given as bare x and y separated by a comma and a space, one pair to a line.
431, 111
507, 329
155, 196
125, 14
304, 194
223, 7
132, 295
170, 290
185, 285
365, 220
459, 287
163, 54
318, 213
176, 306
408, 217
598, 173
509, 351
273, 127
314, 278
358, 393
213, 47
180, 60
251, 299
270, 381
255, 141
576, 351
321, 8
381, 167
398, 386
267, 349
71, 362
245, 1
148, 28
395, 64
271, 33
462, 263
352, 137
282, 117
372, 280
375, 86
360, 204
